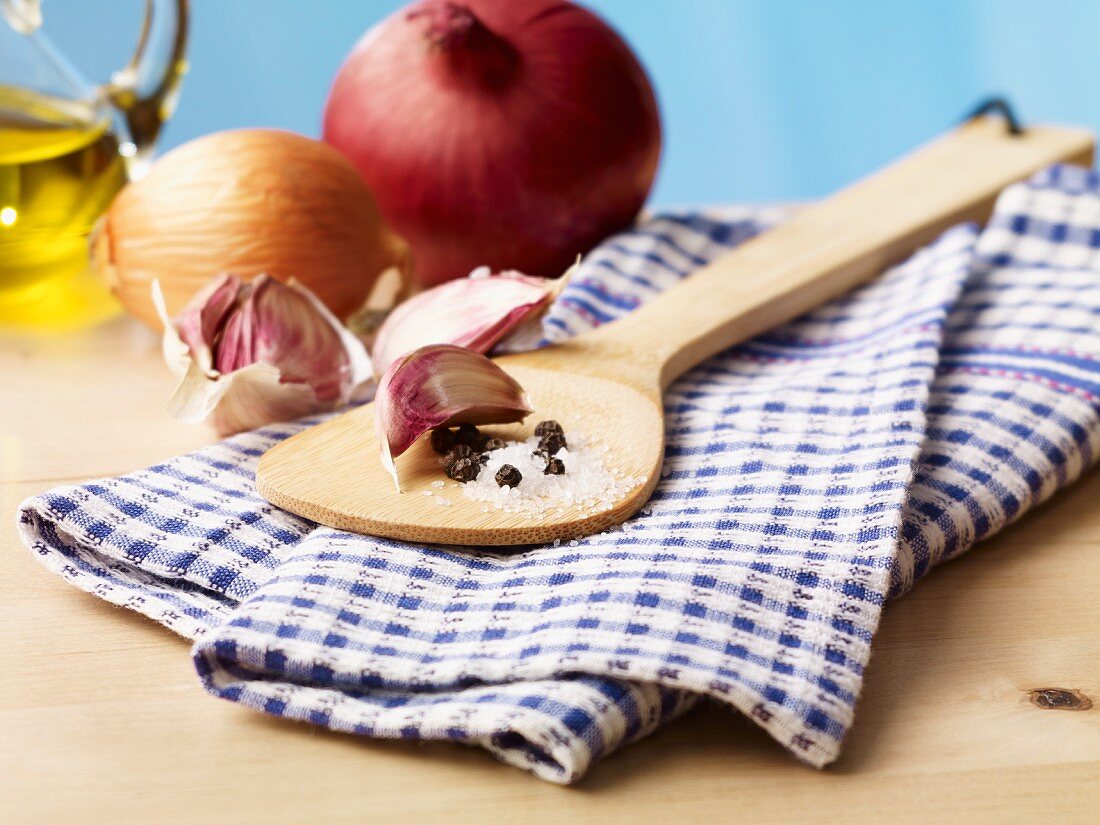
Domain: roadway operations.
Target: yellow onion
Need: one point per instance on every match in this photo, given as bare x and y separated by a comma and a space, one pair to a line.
247, 202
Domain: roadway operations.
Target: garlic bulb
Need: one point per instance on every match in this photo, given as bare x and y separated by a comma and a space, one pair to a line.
477, 312
249, 202
253, 354
439, 386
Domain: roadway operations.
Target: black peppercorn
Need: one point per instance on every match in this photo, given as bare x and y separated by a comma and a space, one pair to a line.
457, 452
443, 440
465, 469
551, 443
493, 444
508, 476
467, 434
547, 427
554, 467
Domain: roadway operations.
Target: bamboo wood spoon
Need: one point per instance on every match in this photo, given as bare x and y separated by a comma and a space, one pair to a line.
607, 384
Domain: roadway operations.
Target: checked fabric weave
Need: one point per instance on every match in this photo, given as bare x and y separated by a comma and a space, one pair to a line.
811, 474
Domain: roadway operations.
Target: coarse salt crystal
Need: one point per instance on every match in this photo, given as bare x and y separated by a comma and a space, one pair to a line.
587, 483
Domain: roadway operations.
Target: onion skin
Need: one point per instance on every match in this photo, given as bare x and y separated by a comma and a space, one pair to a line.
514, 134
247, 202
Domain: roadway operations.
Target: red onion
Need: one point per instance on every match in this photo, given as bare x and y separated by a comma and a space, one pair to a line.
509, 133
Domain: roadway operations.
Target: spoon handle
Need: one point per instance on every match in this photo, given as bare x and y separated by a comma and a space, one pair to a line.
831, 247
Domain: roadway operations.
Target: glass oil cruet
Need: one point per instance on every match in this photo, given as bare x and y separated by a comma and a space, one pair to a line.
66, 147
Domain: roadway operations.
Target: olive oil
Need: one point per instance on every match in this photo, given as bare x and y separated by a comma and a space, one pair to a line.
60, 167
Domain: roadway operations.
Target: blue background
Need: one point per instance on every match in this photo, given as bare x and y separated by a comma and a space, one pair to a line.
762, 99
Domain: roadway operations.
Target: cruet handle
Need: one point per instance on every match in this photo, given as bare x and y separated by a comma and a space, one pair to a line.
145, 91
25, 16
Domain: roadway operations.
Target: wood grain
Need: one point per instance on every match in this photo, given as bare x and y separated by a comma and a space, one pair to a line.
607, 384
102, 719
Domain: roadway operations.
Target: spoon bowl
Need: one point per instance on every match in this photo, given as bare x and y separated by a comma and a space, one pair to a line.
364, 501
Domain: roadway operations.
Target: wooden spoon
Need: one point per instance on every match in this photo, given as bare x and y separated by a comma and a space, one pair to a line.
607, 384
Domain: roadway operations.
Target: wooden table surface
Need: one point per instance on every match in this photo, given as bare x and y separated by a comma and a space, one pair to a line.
103, 720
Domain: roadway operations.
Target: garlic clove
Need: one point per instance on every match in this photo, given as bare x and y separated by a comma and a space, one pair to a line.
438, 386
253, 354
476, 312
201, 319
285, 325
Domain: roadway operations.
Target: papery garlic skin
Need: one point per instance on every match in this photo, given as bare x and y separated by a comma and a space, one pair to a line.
256, 353
476, 312
441, 385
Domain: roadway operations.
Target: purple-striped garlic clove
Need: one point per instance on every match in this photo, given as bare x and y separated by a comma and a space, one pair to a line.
441, 385
477, 312
250, 354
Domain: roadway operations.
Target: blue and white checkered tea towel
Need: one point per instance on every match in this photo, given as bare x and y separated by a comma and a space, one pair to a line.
811, 474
